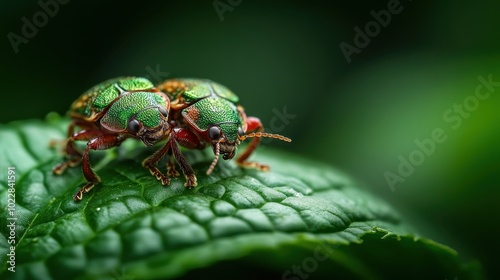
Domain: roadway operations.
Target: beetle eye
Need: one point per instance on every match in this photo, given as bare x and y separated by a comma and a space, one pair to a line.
163, 111
240, 131
214, 133
133, 126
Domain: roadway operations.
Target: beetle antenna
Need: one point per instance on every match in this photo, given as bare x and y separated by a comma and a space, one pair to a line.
266, 135
214, 162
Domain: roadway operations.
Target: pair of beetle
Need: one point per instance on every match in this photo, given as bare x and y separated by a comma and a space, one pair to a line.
192, 113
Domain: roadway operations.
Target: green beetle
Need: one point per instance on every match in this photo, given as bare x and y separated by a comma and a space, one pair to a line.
206, 113
109, 113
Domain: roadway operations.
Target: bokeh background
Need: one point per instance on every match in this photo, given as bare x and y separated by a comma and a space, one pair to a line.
283, 58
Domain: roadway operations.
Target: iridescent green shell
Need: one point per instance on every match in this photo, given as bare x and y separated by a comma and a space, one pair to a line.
141, 105
214, 111
198, 89
95, 100
224, 92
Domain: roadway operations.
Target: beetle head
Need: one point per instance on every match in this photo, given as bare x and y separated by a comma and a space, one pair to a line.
221, 144
224, 140
139, 125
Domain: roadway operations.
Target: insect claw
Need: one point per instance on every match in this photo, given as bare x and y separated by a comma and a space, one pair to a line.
59, 169
171, 171
85, 189
191, 182
165, 181
78, 196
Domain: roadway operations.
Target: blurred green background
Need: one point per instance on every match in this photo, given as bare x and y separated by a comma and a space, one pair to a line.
284, 61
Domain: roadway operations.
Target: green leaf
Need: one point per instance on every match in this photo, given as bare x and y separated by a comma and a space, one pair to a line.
301, 220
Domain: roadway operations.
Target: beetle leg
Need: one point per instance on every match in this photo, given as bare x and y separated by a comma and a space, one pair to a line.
171, 171
74, 156
101, 142
69, 150
252, 124
186, 168
150, 163
178, 136
71, 130
188, 139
